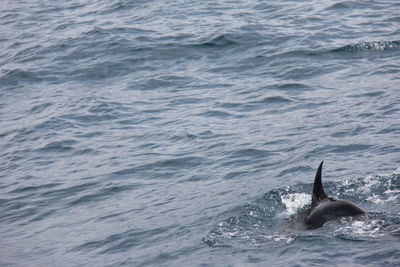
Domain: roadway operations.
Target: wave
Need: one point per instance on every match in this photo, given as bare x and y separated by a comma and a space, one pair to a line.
125, 240
15, 77
275, 100
166, 166
369, 46
222, 40
102, 194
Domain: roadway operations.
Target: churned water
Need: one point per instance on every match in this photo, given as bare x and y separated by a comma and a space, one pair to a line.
188, 133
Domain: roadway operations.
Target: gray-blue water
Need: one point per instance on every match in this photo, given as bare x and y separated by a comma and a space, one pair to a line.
188, 133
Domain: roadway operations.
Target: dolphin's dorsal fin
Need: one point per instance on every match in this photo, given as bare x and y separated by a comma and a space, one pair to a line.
318, 190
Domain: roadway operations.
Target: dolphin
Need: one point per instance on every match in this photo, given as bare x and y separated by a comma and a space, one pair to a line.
324, 208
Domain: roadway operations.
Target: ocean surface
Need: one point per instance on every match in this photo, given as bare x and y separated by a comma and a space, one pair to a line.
188, 133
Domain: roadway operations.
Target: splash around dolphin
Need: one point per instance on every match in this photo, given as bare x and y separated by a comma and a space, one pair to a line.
324, 208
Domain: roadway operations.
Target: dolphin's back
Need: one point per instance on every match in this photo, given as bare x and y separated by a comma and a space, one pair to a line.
329, 209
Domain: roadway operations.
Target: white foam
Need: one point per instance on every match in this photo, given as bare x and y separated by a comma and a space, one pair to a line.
387, 196
253, 214
375, 198
274, 237
361, 229
294, 202
370, 181
388, 192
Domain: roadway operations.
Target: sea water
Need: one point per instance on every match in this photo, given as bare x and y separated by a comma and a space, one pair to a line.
188, 133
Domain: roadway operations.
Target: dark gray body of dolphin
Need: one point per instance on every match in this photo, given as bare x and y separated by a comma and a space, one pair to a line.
324, 208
